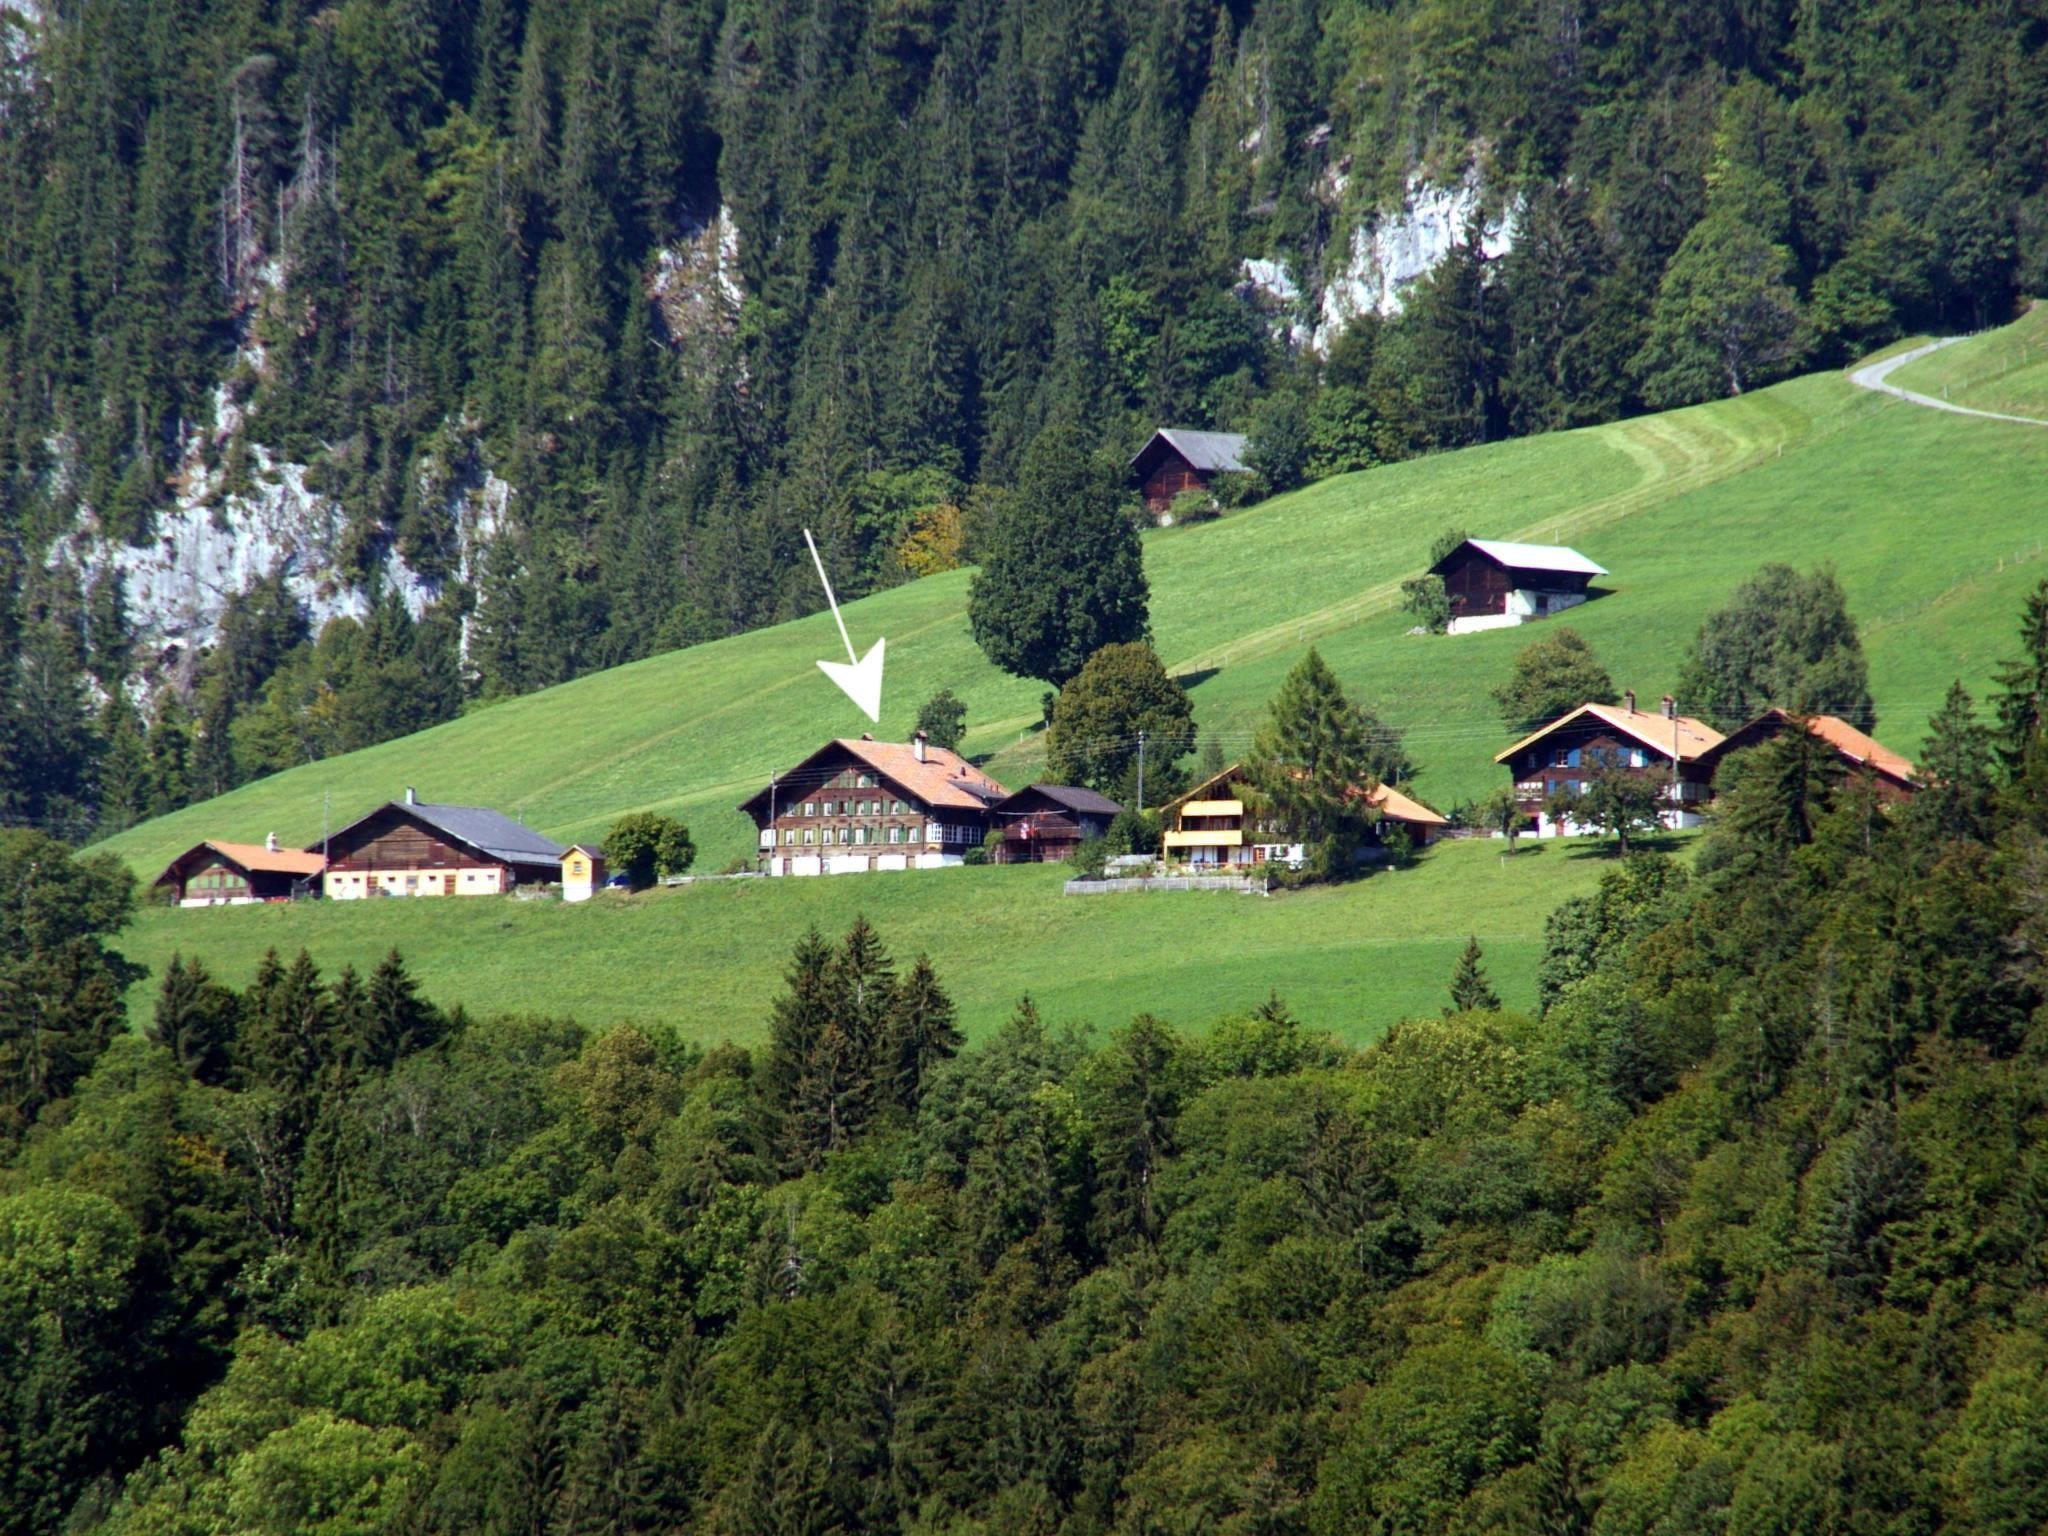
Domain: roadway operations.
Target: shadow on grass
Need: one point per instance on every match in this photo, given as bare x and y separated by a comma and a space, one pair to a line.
1607, 848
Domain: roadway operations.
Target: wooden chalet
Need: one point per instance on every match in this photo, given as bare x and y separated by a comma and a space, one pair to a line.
1493, 584
1214, 826
858, 805
412, 848
1043, 823
1892, 775
1176, 460
217, 874
1565, 755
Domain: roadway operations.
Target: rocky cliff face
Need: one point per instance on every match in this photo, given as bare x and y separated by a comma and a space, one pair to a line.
1389, 251
215, 541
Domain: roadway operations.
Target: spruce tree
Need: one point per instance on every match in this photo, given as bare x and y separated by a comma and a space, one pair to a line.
1956, 792
797, 1023
1785, 787
1309, 760
2023, 686
195, 1021
923, 1032
1471, 991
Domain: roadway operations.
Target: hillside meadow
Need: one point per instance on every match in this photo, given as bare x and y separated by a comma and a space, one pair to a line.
1932, 521
2003, 370
705, 959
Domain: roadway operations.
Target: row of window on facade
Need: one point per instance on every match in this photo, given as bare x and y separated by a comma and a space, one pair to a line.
936, 832
1599, 757
855, 808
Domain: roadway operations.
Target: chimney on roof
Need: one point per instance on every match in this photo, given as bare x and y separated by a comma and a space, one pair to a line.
867, 735
1628, 697
410, 797
1670, 707
270, 842
917, 741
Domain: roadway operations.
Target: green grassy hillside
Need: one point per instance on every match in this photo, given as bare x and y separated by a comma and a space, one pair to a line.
1932, 521
2004, 370
705, 959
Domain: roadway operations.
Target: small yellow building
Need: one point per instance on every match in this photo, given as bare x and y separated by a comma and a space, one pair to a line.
582, 872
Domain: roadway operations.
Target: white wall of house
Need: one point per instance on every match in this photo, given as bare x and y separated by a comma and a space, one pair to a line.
1523, 604
344, 885
861, 863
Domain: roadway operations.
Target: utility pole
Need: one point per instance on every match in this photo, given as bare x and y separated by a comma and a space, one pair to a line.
772, 835
1141, 773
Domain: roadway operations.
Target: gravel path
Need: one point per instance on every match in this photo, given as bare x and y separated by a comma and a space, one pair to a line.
1873, 376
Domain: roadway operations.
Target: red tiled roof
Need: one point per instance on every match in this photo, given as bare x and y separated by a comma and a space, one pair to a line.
1391, 802
279, 861
944, 779
256, 858
1689, 737
1858, 748
1852, 743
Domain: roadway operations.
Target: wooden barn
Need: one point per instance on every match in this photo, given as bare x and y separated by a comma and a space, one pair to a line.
1493, 584
1857, 753
217, 874
1565, 755
1043, 823
1177, 460
411, 848
859, 805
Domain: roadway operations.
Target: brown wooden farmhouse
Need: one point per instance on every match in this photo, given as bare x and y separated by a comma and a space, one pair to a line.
1568, 753
217, 874
856, 805
1493, 584
1043, 823
1177, 460
1214, 826
1892, 775
411, 848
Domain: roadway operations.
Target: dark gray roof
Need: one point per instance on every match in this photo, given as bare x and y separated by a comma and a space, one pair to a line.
1219, 451
488, 831
1073, 797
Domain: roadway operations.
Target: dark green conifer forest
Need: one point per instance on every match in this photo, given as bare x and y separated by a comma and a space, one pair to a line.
1742, 1232
674, 278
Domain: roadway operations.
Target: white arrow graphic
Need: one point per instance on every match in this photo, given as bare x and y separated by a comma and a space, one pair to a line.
860, 676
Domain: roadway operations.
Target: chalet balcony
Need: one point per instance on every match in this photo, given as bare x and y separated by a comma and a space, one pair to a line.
1204, 837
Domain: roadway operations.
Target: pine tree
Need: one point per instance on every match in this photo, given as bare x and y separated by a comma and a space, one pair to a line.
797, 1024
923, 1032
125, 787
1471, 991
195, 1021
2023, 686
1956, 792
1309, 759
1785, 789
284, 1039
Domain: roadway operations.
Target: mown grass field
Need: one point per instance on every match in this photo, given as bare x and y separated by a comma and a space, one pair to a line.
706, 959
2003, 370
1936, 525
